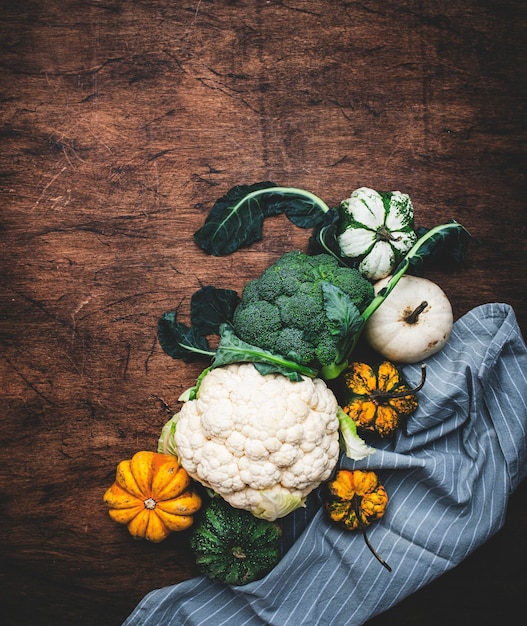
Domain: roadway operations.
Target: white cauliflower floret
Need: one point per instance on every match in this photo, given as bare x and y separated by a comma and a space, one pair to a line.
261, 442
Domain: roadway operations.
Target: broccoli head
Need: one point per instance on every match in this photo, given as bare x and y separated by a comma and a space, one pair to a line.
265, 332
287, 309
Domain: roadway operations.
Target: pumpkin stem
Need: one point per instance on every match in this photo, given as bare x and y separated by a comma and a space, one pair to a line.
238, 552
377, 395
413, 317
383, 234
366, 540
150, 504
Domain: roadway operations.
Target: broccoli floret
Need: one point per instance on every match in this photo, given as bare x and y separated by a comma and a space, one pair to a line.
284, 276
291, 343
324, 264
251, 291
269, 285
326, 351
302, 309
286, 311
258, 322
355, 285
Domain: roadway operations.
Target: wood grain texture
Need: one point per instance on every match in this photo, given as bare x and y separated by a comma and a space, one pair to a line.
121, 123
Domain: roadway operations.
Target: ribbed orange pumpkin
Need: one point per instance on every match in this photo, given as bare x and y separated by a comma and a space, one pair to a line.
355, 498
377, 398
152, 496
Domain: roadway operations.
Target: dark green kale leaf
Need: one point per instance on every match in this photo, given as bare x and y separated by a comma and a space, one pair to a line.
180, 341
209, 309
236, 219
324, 236
447, 249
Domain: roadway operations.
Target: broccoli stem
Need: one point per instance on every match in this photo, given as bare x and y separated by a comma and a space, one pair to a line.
401, 270
259, 356
336, 369
330, 372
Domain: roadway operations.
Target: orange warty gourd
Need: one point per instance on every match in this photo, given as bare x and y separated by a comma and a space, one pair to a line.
377, 398
355, 499
152, 495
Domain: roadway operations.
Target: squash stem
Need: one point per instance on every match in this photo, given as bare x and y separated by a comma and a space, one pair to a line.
413, 317
366, 540
384, 234
372, 550
238, 552
388, 395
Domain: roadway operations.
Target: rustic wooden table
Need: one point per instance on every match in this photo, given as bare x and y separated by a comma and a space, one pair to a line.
122, 122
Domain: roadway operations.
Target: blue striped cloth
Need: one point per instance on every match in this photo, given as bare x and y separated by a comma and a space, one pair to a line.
449, 474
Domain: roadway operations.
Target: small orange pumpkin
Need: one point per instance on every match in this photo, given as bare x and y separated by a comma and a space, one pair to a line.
377, 398
151, 495
355, 498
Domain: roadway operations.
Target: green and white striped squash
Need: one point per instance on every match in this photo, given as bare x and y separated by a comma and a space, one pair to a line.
376, 229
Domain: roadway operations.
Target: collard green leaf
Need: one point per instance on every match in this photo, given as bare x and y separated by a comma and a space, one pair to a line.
211, 307
180, 341
323, 239
447, 248
340, 310
302, 209
236, 219
232, 349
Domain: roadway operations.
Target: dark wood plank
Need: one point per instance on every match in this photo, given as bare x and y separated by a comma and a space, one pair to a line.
122, 122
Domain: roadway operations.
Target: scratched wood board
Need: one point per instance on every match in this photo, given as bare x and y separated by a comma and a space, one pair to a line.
122, 122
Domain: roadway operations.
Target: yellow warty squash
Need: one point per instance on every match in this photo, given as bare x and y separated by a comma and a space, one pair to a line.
355, 498
378, 397
152, 496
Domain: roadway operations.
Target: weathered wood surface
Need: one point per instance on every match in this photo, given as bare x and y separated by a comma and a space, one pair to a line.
122, 122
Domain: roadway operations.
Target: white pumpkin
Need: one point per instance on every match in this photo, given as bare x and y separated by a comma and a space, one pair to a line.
414, 322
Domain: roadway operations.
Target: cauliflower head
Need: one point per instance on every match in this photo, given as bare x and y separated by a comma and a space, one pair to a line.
263, 443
